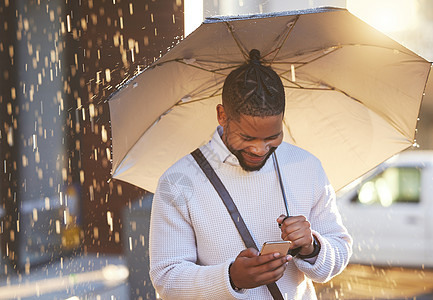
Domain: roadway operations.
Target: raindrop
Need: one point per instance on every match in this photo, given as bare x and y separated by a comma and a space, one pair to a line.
66, 216
47, 203
92, 110
68, 21
10, 137
25, 161
81, 176
186, 98
107, 75
189, 61
35, 214
104, 135
13, 93
37, 156
35, 142
110, 220
57, 226
11, 51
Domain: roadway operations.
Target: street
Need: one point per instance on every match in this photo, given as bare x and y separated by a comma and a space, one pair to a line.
371, 282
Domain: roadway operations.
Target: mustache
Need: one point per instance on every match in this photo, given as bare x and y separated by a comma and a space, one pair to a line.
268, 153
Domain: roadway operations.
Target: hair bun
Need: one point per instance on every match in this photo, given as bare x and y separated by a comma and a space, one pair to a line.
255, 57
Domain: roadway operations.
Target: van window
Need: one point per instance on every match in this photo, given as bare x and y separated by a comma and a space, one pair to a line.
394, 185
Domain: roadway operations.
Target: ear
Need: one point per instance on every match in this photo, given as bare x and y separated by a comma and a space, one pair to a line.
221, 115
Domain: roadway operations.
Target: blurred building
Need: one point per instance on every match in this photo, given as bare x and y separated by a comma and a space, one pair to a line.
59, 61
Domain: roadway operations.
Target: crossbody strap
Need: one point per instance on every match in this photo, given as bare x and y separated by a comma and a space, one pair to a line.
233, 210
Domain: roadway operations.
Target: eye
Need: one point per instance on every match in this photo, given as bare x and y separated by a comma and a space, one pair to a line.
271, 138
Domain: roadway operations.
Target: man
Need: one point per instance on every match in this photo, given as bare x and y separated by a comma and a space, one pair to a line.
196, 251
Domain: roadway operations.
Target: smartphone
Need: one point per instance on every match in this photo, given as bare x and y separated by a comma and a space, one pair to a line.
281, 247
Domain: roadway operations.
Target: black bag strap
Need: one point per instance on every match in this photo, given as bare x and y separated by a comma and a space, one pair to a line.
233, 210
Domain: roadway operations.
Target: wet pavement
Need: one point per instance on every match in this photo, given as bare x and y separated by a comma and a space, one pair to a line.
371, 282
88, 276
102, 277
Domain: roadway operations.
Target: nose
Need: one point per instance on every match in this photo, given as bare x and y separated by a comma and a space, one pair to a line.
260, 148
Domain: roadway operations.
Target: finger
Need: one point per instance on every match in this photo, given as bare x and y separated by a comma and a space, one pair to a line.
272, 275
250, 252
266, 258
281, 218
277, 263
298, 226
300, 239
297, 235
294, 219
272, 264
304, 241
294, 232
269, 270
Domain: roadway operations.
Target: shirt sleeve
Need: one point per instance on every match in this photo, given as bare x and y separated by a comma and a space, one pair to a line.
328, 228
174, 270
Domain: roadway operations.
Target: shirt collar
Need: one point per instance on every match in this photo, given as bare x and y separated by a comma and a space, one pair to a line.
221, 150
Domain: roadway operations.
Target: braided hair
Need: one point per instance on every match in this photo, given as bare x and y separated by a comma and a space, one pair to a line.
253, 89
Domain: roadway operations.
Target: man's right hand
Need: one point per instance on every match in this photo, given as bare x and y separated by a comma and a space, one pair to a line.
251, 270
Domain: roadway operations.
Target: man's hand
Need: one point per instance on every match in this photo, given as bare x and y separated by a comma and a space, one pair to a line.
251, 270
297, 229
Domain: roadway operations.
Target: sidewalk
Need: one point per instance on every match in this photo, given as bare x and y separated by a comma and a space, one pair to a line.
88, 276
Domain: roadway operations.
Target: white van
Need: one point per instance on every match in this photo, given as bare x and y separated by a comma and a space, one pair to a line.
389, 212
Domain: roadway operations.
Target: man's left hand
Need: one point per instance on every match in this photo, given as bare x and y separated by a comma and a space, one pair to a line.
297, 229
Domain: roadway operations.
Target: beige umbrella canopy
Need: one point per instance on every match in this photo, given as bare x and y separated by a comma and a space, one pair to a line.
352, 94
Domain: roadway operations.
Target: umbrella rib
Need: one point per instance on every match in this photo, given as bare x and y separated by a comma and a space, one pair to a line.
181, 60
292, 82
332, 88
241, 47
329, 88
288, 130
215, 71
198, 67
338, 47
311, 89
422, 99
317, 58
278, 49
197, 100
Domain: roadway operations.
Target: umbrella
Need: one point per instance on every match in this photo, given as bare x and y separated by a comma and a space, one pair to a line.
352, 94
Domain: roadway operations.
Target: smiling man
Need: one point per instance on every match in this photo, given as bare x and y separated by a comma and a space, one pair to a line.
251, 139
196, 250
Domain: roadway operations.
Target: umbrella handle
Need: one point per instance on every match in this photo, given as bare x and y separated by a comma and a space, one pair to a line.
292, 252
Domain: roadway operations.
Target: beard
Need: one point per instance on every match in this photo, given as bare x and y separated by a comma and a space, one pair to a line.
243, 163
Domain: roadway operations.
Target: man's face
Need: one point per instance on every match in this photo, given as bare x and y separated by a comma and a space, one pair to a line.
251, 139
